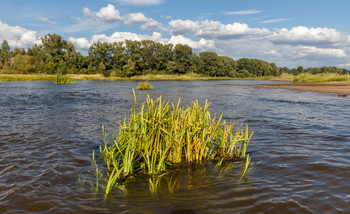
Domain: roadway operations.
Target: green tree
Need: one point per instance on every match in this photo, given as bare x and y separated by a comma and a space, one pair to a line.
147, 55
300, 69
163, 55
182, 56
62, 68
24, 64
208, 63
226, 67
119, 58
4, 52
129, 68
133, 50
274, 70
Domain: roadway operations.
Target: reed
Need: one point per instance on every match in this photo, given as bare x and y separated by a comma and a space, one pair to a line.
63, 80
144, 86
159, 136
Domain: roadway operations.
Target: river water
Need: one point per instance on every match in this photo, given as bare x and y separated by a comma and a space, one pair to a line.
300, 149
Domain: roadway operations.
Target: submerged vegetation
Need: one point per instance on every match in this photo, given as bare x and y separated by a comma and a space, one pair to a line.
160, 137
144, 86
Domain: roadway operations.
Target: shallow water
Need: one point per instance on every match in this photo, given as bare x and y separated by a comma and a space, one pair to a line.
48, 132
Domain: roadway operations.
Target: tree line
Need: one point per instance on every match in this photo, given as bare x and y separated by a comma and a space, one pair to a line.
130, 58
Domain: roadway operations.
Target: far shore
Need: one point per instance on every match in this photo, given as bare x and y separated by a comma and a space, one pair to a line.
100, 77
341, 88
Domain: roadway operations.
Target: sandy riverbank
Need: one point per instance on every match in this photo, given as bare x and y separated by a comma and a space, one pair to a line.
326, 87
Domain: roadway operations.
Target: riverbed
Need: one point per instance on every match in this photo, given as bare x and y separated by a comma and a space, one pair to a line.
300, 149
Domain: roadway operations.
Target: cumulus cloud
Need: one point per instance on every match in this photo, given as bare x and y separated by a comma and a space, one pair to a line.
152, 24
181, 27
88, 13
141, 2
217, 30
82, 43
314, 52
244, 12
308, 36
214, 29
45, 19
135, 18
109, 14
18, 36
140, 18
201, 45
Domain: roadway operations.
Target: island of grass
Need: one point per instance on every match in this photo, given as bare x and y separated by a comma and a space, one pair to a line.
158, 137
144, 86
63, 80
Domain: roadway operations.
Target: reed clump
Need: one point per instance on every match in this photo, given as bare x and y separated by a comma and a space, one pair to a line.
144, 86
158, 137
63, 80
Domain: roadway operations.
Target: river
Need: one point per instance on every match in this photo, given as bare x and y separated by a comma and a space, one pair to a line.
300, 149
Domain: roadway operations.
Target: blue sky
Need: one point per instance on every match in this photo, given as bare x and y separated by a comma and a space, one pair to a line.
311, 33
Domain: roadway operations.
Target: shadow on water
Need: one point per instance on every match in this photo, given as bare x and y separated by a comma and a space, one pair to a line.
48, 133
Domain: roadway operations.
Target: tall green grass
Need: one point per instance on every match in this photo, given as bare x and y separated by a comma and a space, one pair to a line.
63, 80
159, 136
144, 86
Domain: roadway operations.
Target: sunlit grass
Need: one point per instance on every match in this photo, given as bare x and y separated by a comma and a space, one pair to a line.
27, 77
158, 137
144, 86
325, 77
63, 80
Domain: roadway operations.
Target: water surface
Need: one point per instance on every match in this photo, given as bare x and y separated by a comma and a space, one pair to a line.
48, 133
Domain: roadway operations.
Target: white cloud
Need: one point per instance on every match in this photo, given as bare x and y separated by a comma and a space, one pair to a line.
88, 13
274, 21
82, 43
135, 18
152, 24
181, 27
141, 2
309, 36
244, 12
45, 19
214, 29
201, 45
108, 14
217, 30
140, 18
314, 52
18, 36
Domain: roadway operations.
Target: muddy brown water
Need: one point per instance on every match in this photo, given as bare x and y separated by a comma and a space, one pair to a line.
48, 132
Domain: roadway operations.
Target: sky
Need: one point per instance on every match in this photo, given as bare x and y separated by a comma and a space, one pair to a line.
290, 33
